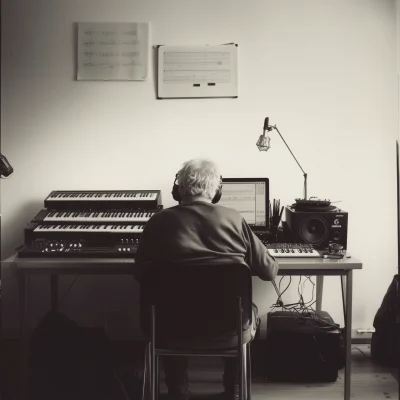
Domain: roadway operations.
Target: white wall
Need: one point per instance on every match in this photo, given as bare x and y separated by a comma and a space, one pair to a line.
398, 34
323, 71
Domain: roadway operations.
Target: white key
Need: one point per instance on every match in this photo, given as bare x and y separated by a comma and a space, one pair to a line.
104, 196
91, 228
136, 217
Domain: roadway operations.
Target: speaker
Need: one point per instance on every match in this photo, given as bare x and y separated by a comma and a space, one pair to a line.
177, 196
318, 228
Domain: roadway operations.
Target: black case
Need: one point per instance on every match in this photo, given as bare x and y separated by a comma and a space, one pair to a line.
300, 348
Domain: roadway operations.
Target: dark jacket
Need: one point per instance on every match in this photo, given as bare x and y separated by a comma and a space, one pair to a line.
201, 232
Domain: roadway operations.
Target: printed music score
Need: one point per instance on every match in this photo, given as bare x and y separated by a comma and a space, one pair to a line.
113, 51
197, 71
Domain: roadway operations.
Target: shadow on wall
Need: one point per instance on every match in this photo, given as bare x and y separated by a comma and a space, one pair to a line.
12, 232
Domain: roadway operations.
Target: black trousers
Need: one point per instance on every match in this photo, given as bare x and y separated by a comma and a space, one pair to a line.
176, 377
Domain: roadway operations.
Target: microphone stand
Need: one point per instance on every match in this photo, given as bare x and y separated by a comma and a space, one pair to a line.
304, 173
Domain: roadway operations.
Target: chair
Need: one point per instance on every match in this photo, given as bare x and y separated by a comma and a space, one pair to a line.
197, 310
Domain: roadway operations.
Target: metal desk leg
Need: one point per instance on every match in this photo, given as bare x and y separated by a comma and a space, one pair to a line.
343, 283
54, 292
22, 334
349, 305
320, 288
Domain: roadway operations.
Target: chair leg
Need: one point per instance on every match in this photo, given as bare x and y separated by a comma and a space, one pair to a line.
146, 373
248, 362
242, 382
152, 373
239, 319
153, 356
244, 372
157, 376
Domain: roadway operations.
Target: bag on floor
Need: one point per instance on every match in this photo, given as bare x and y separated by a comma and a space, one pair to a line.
70, 362
385, 343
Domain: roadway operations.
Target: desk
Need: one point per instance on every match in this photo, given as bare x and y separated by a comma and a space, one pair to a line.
92, 266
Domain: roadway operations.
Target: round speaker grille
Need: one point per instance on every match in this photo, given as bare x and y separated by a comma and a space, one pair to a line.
314, 230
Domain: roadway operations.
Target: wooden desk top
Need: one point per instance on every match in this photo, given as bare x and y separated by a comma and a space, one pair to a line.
93, 266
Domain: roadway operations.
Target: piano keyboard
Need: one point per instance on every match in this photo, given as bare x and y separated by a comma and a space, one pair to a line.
93, 234
103, 199
87, 223
109, 228
86, 196
126, 216
292, 250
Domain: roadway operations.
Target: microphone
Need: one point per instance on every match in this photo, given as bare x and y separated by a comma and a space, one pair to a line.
266, 125
263, 141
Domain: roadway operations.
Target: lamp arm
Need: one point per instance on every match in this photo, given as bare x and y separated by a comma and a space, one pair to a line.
304, 173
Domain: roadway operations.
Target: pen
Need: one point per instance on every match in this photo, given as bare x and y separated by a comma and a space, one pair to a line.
280, 215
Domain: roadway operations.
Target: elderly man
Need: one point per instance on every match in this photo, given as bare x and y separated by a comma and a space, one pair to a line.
198, 231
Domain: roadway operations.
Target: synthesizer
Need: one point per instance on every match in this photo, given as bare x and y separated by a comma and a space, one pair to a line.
103, 200
90, 223
77, 248
93, 217
99, 233
292, 250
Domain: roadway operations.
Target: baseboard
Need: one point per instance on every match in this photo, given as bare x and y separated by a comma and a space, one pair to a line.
360, 338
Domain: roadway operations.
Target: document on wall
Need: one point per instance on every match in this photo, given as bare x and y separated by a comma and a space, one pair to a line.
197, 71
113, 51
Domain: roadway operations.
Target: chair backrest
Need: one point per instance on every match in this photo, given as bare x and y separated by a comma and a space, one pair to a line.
196, 301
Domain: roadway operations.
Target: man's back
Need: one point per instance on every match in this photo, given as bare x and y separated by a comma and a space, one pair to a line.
199, 232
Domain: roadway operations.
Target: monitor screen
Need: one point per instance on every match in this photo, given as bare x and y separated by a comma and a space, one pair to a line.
248, 196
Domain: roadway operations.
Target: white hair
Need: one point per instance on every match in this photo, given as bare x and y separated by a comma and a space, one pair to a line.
198, 178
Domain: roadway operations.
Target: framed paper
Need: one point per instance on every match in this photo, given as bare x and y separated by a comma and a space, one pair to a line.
113, 51
197, 71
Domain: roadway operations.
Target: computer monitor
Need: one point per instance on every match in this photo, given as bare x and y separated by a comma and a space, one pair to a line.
248, 196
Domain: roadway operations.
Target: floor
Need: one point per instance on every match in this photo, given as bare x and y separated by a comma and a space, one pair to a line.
369, 382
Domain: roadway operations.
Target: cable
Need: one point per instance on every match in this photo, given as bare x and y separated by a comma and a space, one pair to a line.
279, 302
69, 289
290, 281
302, 308
356, 348
275, 287
313, 288
317, 347
122, 386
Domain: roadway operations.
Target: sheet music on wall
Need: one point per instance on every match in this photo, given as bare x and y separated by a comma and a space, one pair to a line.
197, 71
113, 51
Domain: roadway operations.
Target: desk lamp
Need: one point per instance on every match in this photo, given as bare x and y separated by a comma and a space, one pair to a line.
263, 145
